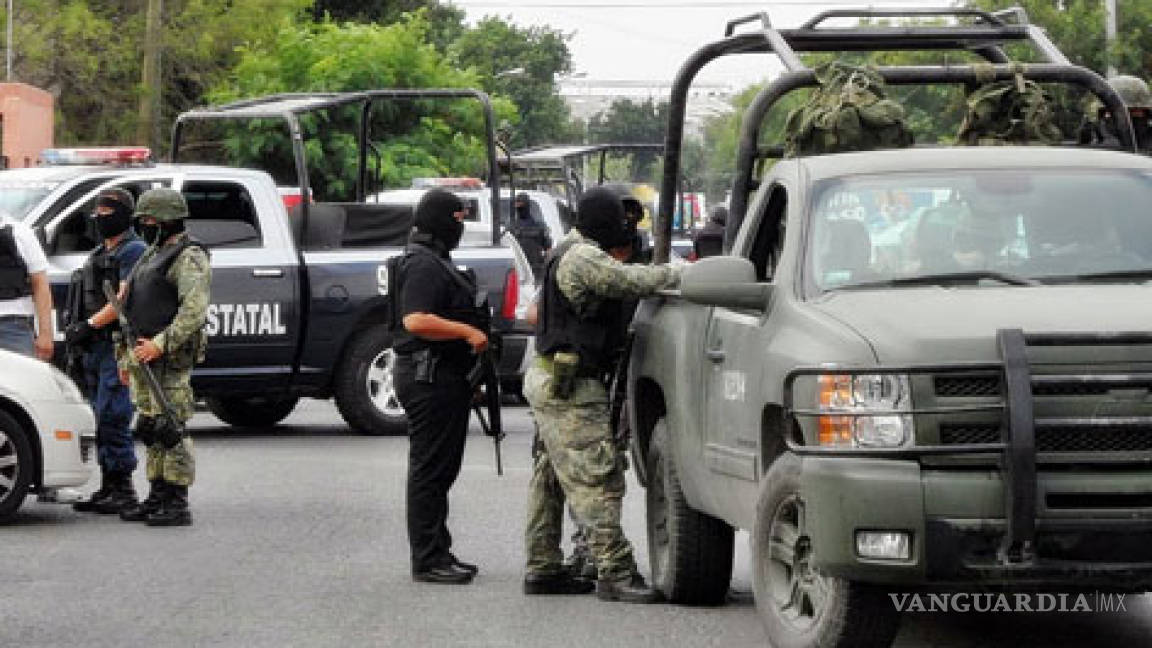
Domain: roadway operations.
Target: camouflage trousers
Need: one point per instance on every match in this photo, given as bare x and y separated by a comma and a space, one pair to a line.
582, 464
176, 465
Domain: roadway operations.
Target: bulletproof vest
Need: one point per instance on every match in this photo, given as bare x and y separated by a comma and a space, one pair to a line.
13, 271
463, 307
596, 334
101, 266
153, 300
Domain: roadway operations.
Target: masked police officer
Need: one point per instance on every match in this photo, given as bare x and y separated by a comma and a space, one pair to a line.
578, 341
91, 331
25, 296
435, 339
166, 302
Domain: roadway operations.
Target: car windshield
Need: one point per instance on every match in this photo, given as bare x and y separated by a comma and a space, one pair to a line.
988, 227
18, 197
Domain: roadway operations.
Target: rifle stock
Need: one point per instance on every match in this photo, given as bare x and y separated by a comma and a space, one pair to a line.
484, 373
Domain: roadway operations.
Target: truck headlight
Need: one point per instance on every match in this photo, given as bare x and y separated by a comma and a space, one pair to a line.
856, 395
68, 389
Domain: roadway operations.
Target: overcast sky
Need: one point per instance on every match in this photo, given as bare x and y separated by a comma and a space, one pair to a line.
650, 39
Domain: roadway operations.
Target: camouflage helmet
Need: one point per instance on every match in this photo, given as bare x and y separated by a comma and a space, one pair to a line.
162, 204
1132, 90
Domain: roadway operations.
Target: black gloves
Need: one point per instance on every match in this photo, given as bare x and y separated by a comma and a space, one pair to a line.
78, 333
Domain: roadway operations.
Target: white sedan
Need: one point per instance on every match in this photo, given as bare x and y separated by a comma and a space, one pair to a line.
47, 433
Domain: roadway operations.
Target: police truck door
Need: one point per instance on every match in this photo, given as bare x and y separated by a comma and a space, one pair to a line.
253, 316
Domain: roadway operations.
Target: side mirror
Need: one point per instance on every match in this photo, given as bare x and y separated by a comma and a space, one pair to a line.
725, 281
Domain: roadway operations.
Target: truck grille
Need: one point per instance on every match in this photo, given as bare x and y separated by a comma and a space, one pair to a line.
1057, 438
982, 385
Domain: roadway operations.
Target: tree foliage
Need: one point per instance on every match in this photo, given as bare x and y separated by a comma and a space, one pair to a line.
520, 63
445, 22
410, 139
87, 55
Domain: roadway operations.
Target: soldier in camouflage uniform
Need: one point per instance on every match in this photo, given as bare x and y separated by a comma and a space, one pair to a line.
1099, 128
578, 339
166, 303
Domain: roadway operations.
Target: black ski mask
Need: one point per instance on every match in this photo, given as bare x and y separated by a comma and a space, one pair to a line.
119, 220
600, 216
158, 231
434, 217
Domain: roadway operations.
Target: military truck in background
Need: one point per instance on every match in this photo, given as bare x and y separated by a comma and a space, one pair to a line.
958, 397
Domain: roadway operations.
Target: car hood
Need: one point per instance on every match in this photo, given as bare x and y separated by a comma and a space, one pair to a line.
935, 324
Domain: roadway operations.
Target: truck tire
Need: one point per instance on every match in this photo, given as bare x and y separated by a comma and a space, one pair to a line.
252, 411
690, 552
800, 607
16, 465
365, 395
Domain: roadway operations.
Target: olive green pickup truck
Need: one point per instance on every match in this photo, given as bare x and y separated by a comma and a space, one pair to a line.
915, 369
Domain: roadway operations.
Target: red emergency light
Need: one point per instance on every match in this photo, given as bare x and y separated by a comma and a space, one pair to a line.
122, 155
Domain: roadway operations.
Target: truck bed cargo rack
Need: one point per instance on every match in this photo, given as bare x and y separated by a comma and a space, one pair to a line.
291, 105
980, 32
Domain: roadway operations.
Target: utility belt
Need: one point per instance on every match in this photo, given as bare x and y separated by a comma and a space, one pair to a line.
565, 368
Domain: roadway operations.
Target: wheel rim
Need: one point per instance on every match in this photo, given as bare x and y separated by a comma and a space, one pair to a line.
659, 536
9, 466
796, 589
381, 388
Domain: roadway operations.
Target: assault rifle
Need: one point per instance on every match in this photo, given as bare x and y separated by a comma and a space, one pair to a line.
167, 429
484, 373
74, 353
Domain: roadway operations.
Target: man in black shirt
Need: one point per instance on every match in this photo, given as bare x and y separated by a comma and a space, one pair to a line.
710, 240
531, 233
435, 339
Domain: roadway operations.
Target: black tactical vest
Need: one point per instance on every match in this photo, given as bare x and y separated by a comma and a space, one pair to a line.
13, 271
463, 308
596, 334
101, 266
153, 300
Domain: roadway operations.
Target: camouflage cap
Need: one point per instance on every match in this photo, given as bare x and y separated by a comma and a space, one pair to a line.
162, 204
1132, 90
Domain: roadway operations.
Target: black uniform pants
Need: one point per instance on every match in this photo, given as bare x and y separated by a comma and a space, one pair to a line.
437, 428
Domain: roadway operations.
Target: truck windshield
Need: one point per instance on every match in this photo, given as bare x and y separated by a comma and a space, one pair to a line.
994, 227
17, 198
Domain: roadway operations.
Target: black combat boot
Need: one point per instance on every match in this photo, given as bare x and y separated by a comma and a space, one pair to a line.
174, 509
627, 589
562, 583
97, 496
150, 505
121, 496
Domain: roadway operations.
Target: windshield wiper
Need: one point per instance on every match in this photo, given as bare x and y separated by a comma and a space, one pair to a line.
1145, 273
946, 278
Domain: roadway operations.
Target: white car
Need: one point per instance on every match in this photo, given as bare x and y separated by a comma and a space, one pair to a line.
47, 433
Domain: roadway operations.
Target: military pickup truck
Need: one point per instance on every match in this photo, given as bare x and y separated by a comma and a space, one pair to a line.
956, 395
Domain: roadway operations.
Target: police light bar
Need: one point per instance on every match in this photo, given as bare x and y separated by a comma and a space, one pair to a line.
95, 155
447, 183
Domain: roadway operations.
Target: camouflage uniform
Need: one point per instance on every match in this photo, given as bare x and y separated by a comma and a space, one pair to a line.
581, 459
183, 343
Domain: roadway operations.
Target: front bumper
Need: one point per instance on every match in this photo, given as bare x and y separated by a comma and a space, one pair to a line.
1090, 529
68, 459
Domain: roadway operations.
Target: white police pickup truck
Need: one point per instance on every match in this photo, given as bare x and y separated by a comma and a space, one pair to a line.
47, 433
293, 313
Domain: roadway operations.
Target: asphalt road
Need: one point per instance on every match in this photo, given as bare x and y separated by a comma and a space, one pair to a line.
299, 541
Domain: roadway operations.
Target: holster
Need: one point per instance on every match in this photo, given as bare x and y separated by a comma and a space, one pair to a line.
145, 431
425, 362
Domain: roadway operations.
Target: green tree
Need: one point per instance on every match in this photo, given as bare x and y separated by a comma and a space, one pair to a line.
445, 21
521, 63
413, 139
87, 54
631, 122
1077, 28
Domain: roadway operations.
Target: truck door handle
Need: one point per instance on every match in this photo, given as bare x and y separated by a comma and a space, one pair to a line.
715, 354
268, 272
